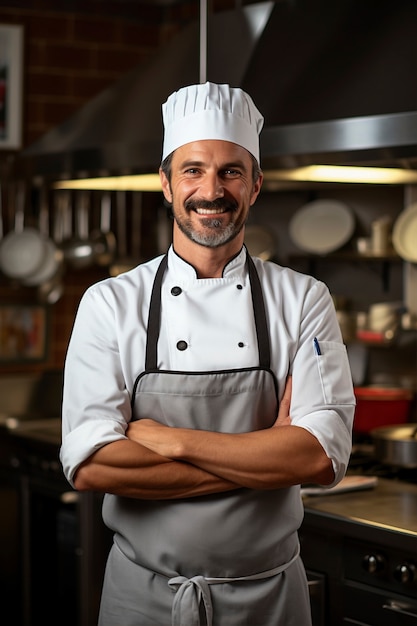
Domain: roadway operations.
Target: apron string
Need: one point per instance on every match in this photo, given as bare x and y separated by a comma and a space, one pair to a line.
191, 591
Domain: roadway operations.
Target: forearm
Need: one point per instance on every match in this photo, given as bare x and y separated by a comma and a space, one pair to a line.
265, 459
128, 469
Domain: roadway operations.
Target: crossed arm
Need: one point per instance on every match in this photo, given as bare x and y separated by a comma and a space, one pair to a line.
160, 462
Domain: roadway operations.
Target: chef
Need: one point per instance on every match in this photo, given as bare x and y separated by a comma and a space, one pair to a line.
201, 389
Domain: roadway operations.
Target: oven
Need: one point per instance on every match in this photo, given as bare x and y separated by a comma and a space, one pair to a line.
380, 585
364, 544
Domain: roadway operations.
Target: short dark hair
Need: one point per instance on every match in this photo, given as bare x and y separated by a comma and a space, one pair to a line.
167, 162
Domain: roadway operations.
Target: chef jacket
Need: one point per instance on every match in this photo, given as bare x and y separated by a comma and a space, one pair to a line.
206, 324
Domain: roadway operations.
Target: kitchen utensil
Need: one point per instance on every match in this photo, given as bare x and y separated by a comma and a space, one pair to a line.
381, 236
21, 250
383, 316
380, 406
103, 240
322, 226
396, 445
78, 249
137, 199
404, 234
53, 257
51, 290
122, 262
259, 241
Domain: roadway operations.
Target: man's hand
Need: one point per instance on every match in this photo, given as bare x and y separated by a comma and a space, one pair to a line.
284, 418
153, 435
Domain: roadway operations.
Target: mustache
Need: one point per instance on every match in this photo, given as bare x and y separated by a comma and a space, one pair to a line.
219, 203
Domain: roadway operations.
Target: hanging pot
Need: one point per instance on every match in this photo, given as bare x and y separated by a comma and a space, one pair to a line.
53, 257
21, 250
396, 445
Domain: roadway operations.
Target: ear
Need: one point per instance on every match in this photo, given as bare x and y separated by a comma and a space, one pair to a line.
256, 189
166, 187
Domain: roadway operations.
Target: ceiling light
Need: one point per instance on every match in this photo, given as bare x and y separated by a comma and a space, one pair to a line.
311, 173
139, 182
344, 174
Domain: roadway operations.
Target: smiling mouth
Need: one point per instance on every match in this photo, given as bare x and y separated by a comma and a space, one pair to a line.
208, 209
216, 211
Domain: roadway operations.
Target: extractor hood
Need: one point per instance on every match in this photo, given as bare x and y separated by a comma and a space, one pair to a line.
336, 82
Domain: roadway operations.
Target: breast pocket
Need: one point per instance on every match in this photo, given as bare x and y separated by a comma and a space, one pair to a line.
335, 375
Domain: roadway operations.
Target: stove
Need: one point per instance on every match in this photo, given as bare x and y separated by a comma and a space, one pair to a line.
364, 543
363, 461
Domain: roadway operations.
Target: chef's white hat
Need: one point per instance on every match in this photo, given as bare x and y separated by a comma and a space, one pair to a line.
211, 111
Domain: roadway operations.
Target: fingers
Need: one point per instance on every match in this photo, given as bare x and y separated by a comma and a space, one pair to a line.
283, 417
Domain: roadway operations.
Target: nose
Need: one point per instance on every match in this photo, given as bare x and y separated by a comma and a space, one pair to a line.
212, 187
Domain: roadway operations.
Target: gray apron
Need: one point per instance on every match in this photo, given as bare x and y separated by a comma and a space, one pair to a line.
217, 560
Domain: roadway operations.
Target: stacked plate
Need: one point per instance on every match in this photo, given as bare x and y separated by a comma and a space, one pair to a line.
322, 226
404, 234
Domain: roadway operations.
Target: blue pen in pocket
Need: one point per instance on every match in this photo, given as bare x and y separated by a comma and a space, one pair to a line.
317, 346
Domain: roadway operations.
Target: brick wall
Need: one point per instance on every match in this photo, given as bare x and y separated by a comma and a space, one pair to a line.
72, 51
70, 57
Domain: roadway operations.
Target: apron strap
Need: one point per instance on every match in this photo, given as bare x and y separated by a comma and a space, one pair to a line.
260, 315
154, 318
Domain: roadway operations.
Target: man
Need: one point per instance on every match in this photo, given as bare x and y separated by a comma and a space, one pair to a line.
178, 382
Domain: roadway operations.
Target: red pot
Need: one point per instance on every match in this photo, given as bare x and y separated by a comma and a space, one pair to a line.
381, 406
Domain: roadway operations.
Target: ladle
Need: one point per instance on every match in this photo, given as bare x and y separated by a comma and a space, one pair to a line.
78, 249
103, 240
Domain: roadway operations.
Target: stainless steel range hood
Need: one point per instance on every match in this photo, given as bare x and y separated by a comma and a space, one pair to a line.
336, 82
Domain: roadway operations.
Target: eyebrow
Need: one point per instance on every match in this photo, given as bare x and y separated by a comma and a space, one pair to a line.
194, 163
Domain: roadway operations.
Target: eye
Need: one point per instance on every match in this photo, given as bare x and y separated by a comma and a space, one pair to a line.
231, 173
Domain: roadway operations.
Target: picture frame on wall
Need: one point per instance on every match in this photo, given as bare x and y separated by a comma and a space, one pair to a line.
11, 86
23, 333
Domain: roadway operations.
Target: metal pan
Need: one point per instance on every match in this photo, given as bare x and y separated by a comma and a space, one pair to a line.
396, 445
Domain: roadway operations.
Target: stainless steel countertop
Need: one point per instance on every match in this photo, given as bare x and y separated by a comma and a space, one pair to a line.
390, 505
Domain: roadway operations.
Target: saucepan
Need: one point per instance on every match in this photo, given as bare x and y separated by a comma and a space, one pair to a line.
396, 445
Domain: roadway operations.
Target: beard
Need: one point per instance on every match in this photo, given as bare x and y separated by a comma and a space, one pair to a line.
213, 234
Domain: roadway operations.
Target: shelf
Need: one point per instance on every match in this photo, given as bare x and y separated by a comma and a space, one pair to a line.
351, 256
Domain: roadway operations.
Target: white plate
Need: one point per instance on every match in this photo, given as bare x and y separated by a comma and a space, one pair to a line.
404, 234
322, 226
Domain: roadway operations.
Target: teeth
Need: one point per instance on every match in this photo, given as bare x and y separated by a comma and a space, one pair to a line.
209, 211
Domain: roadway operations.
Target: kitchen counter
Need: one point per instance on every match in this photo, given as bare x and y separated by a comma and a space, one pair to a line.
390, 505
363, 547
